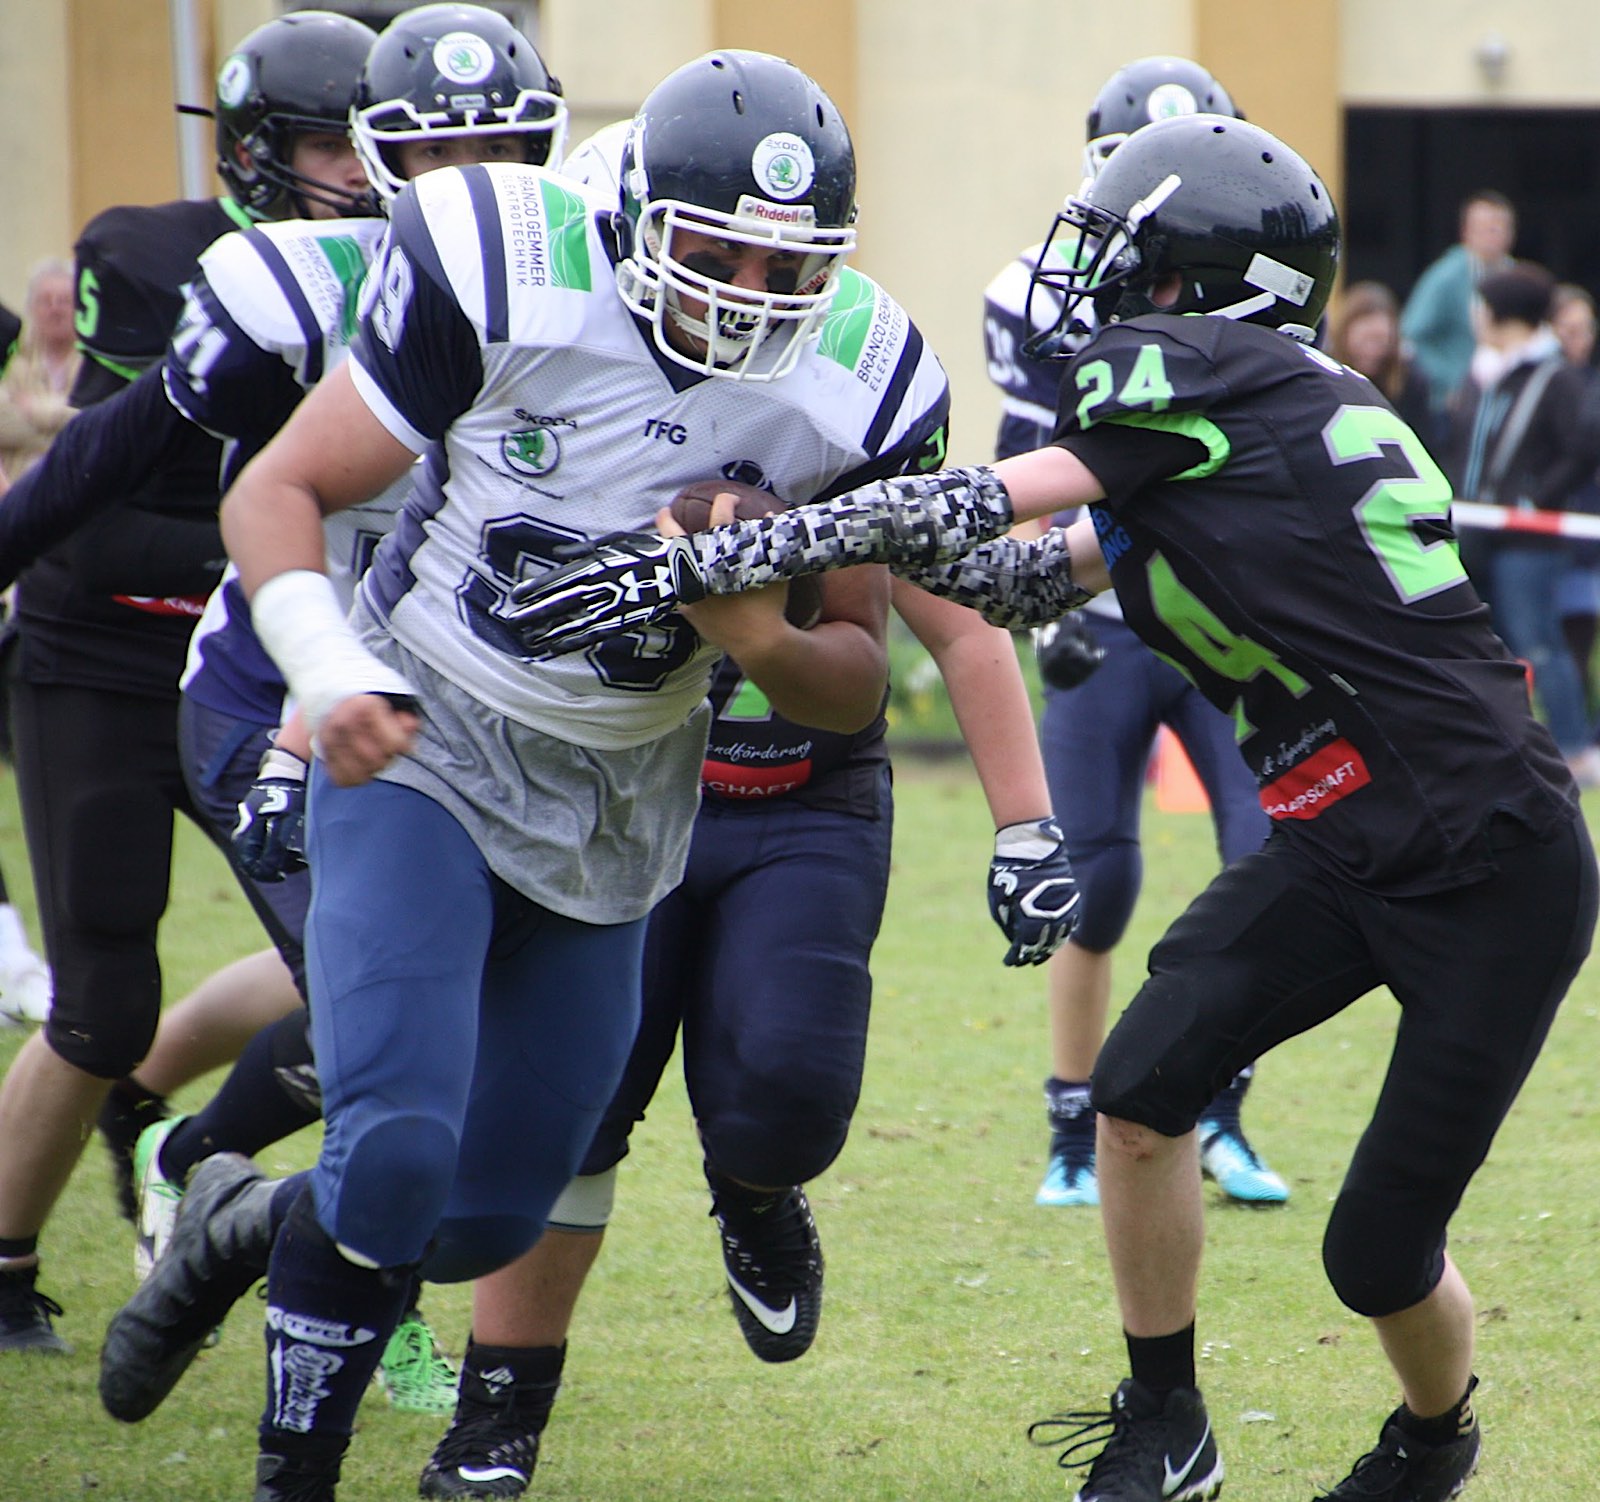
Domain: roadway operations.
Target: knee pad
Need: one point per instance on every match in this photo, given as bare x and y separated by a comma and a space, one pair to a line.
585, 1204
472, 1246
110, 1049
390, 1191
1378, 1256
775, 1148
1109, 879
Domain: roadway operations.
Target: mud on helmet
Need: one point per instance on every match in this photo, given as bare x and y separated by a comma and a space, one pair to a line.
1241, 218
453, 70
743, 146
291, 77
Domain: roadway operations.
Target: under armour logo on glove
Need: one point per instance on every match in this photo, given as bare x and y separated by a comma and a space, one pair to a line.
628, 581
269, 839
1033, 894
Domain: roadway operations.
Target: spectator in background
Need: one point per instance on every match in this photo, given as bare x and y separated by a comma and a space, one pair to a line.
1517, 442
1437, 321
1365, 335
1572, 319
33, 393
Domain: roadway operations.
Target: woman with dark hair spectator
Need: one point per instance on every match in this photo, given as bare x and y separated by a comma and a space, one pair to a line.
1365, 335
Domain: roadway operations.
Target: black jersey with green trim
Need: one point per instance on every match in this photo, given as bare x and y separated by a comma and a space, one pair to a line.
1276, 531
755, 755
113, 606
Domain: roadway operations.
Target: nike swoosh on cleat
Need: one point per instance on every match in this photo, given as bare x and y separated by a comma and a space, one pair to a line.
778, 1321
492, 1473
1175, 1478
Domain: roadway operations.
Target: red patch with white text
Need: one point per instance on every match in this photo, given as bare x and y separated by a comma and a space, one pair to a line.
191, 605
729, 779
1323, 778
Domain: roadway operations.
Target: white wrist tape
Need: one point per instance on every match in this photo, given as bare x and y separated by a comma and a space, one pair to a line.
302, 625
1033, 840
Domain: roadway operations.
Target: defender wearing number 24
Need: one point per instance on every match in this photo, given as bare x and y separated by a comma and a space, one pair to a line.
1273, 529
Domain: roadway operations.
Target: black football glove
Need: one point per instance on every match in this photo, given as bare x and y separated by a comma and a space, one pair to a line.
269, 841
1067, 651
628, 581
1032, 892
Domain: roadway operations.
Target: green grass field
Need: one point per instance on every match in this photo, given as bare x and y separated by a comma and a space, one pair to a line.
956, 1311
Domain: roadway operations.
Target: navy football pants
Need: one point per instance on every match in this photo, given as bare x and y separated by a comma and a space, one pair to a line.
466, 1038
760, 956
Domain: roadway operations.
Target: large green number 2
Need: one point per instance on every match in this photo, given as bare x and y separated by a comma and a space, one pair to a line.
1386, 512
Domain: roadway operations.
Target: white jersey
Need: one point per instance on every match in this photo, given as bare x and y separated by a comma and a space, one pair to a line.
272, 311
496, 344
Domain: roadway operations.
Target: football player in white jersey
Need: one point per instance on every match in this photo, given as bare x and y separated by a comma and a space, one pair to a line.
757, 971
488, 834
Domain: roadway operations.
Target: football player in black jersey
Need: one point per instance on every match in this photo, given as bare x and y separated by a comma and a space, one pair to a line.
1270, 523
105, 619
1106, 698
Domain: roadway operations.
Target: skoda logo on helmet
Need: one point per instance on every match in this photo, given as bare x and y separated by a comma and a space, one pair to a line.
233, 82
1169, 99
463, 57
783, 167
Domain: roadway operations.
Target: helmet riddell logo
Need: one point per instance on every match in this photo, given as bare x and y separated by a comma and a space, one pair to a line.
1169, 99
532, 452
463, 57
783, 166
233, 82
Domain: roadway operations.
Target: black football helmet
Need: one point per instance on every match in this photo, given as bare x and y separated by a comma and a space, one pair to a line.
290, 77
454, 70
1142, 92
1239, 216
744, 146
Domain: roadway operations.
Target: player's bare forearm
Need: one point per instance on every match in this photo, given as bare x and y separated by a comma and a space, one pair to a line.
978, 663
831, 677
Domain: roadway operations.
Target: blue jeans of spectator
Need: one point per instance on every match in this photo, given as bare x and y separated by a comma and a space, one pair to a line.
1527, 615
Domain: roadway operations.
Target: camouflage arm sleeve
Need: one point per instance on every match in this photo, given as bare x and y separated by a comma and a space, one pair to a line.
909, 521
1008, 582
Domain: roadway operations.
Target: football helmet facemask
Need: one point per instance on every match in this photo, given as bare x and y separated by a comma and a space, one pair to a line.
745, 147
291, 77
453, 70
1239, 216
1142, 92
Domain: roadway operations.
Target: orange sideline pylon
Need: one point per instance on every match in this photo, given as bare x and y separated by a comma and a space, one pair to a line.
1178, 789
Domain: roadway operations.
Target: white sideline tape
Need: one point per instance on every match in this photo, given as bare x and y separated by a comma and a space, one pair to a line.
1510, 519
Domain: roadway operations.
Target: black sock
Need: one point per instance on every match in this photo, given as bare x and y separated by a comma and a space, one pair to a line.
1223, 1112
521, 1379
328, 1321
15, 1248
1162, 1362
1447, 1427
249, 1112
1071, 1117
730, 1192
